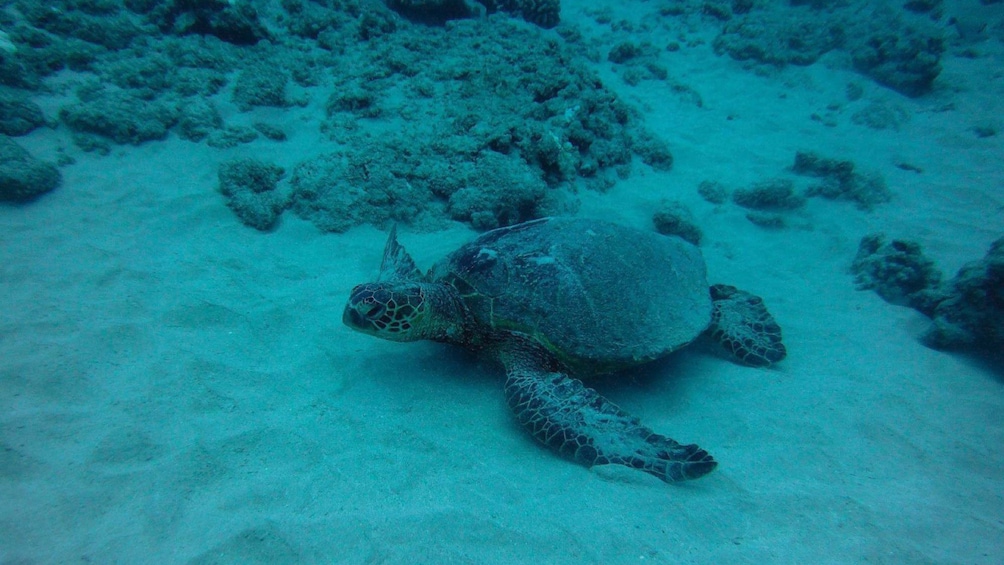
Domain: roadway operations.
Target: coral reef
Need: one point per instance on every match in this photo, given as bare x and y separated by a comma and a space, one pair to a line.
529, 109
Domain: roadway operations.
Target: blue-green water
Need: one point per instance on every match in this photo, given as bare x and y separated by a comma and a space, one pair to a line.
192, 190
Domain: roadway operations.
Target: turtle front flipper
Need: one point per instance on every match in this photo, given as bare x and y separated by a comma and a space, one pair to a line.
574, 420
744, 327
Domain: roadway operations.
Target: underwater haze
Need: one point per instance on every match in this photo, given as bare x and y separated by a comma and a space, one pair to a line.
190, 192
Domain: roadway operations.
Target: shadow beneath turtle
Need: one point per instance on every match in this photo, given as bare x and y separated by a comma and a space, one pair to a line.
670, 377
428, 366
428, 359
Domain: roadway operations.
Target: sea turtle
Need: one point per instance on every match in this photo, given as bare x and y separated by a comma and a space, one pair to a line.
557, 300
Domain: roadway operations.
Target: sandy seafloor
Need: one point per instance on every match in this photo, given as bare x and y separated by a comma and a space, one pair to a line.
177, 387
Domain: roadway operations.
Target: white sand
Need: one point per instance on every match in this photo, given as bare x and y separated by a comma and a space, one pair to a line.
176, 387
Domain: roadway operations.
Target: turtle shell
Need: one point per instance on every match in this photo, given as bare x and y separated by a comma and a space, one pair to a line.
601, 297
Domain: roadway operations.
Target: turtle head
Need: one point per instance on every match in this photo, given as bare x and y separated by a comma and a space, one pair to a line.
403, 305
393, 310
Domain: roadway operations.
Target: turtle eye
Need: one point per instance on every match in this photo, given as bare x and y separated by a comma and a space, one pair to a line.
375, 311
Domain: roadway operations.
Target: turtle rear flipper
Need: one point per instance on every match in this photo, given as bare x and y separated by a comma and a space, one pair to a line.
742, 324
574, 420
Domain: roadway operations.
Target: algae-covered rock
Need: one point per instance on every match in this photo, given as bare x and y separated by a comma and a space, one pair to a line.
713, 192
906, 60
528, 112
249, 187
436, 11
839, 181
261, 85
972, 314
673, 218
898, 271
231, 136
771, 195
121, 116
545, 13
500, 190
23, 177
780, 37
339, 190
18, 114
233, 21
893, 49
199, 118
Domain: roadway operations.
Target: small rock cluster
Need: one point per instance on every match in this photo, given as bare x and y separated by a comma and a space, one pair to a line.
966, 311
770, 202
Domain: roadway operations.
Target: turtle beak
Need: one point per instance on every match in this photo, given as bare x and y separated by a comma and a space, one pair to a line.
352, 318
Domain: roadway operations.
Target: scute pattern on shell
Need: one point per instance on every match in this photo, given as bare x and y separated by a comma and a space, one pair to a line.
599, 296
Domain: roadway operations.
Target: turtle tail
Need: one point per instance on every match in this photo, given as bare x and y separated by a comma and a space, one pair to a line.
741, 323
574, 420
